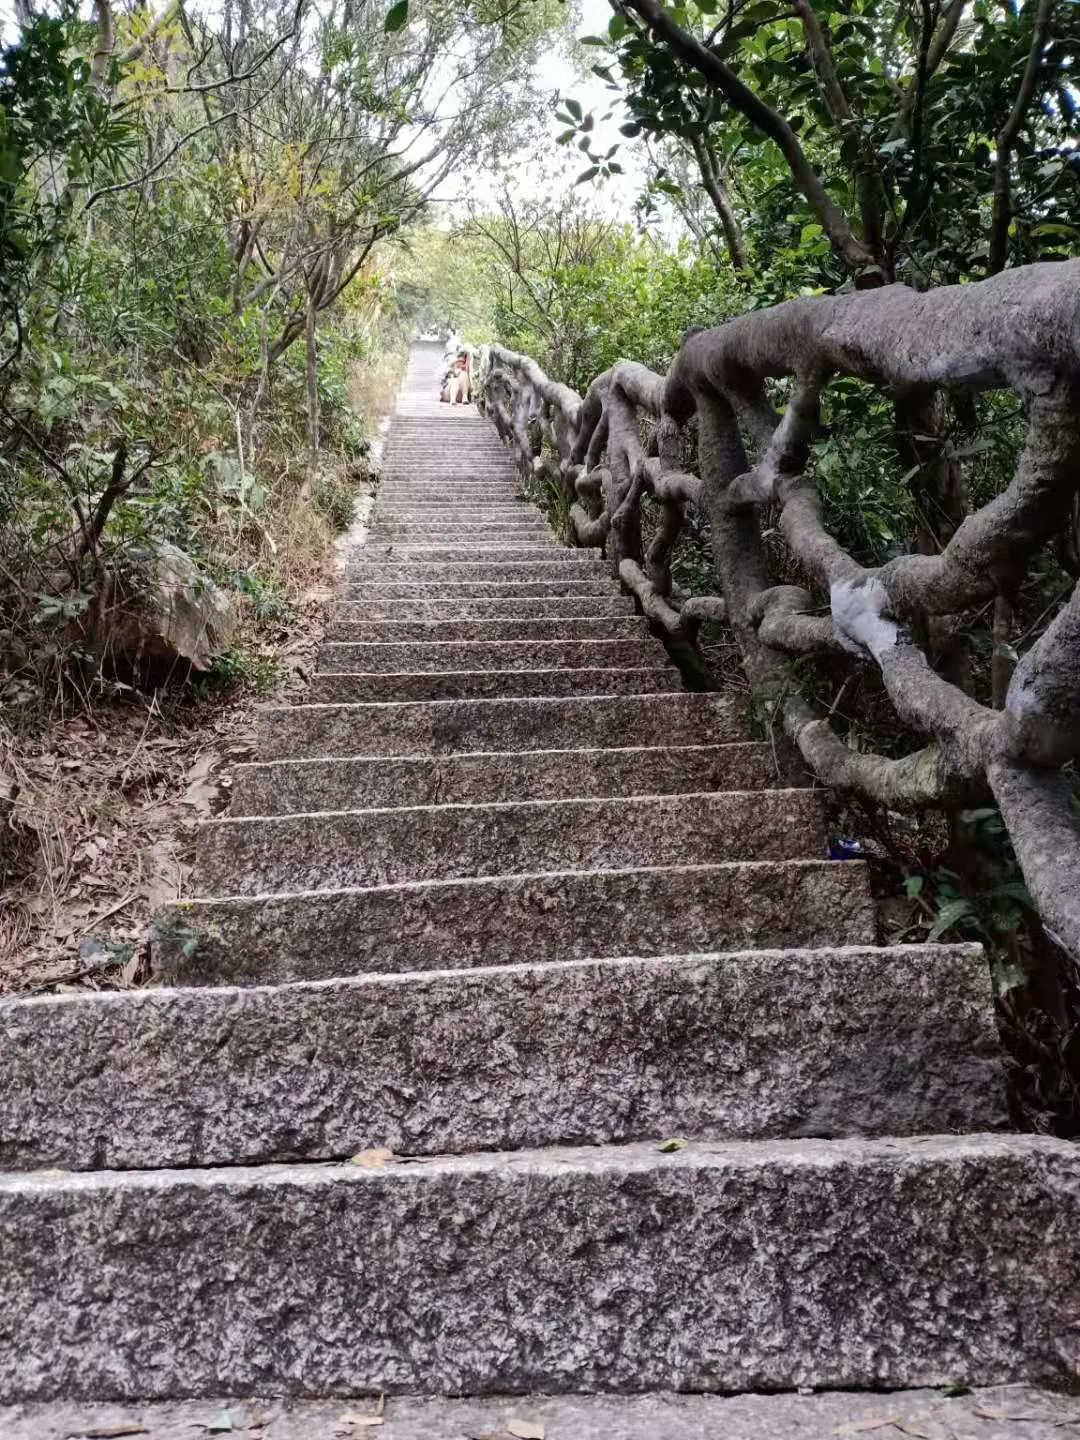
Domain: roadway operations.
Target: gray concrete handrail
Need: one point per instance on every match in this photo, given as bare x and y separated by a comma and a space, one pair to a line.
1020, 331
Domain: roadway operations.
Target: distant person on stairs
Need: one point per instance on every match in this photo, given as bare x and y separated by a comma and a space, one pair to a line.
457, 384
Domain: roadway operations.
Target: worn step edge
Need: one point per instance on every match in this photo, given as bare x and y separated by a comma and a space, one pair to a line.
345, 657
422, 572
450, 620
650, 679
659, 1415
285, 787
332, 849
409, 552
872, 1042
567, 915
381, 590
466, 518
760, 1264
385, 555
412, 535
453, 522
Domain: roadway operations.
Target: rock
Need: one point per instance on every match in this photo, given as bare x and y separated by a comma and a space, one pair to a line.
164, 616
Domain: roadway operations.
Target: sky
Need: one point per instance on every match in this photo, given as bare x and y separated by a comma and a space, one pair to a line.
558, 72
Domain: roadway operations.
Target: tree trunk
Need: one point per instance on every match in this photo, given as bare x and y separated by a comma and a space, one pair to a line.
312, 373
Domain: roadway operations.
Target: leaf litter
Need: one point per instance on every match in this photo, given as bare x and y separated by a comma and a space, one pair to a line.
98, 815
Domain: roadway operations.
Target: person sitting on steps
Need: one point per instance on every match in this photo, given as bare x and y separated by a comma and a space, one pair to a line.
457, 387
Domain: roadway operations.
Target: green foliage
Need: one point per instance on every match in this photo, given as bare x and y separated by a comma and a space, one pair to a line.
579, 293
50, 113
988, 902
171, 213
238, 667
919, 143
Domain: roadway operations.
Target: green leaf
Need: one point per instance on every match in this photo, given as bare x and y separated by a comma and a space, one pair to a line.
668, 1147
631, 128
587, 175
948, 916
913, 886
397, 17
573, 108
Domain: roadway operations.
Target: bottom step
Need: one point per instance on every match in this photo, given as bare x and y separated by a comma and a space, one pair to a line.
715, 1267
1005, 1412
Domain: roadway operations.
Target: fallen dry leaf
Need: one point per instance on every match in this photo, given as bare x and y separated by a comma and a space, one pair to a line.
526, 1429
351, 1417
371, 1158
110, 1432
857, 1427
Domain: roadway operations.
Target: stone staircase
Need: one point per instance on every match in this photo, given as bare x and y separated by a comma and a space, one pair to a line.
504, 900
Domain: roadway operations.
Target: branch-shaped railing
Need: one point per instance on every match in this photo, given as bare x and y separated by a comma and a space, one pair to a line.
1019, 330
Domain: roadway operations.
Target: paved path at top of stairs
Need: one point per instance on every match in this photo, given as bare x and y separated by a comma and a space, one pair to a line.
635, 1100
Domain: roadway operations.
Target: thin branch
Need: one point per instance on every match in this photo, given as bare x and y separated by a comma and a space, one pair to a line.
1006, 139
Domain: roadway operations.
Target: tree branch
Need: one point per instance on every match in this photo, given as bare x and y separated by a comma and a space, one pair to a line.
690, 50
1006, 139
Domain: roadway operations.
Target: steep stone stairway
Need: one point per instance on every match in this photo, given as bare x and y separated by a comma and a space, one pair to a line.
522, 1039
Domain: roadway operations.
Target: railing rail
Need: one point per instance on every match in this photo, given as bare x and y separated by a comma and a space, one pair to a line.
1019, 330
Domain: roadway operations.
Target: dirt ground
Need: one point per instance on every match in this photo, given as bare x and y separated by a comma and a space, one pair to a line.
99, 813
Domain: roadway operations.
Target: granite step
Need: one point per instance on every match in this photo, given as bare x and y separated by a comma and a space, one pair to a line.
514, 919
542, 550
455, 529
295, 787
373, 571
519, 723
457, 525
331, 849
444, 727
484, 533
481, 621
897, 1041
477, 490
753, 1265
350, 688
380, 589
343, 658
431, 512
469, 552
457, 521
